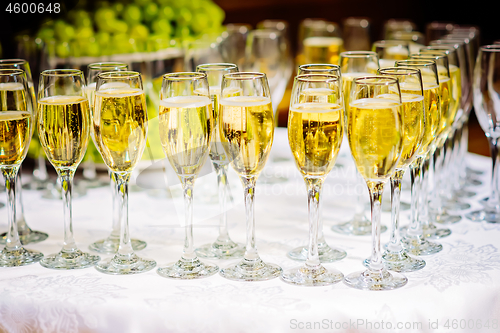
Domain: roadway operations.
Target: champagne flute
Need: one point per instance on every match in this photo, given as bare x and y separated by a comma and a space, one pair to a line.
63, 128
203, 51
112, 242
315, 130
26, 234
223, 247
395, 25
304, 26
16, 119
375, 134
486, 96
186, 128
389, 51
413, 118
356, 34
247, 131
120, 124
356, 64
325, 252
415, 241
233, 43
322, 42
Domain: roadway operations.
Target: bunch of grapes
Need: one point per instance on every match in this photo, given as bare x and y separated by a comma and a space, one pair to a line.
115, 27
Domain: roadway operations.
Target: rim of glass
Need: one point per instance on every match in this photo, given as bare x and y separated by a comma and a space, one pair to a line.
244, 76
13, 61
265, 33
318, 67
416, 62
61, 72
391, 42
437, 56
358, 54
184, 76
275, 21
107, 64
11, 71
119, 75
444, 48
400, 70
216, 66
490, 48
376, 80
317, 77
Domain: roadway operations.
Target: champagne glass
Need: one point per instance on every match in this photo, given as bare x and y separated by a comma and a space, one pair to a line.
112, 242
63, 128
325, 252
223, 247
322, 43
186, 128
486, 96
16, 119
413, 118
233, 43
26, 234
120, 124
303, 27
415, 39
415, 241
247, 130
389, 51
315, 131
356, 64
203, 51
356, 34
394, 25
375, 134
437, 29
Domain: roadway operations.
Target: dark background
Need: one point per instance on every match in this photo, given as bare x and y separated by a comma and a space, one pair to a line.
482, 13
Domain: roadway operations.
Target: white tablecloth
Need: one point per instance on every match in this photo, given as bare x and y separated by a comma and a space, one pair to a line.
458, 290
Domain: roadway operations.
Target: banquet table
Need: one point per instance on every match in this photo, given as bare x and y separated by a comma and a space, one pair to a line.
457, 291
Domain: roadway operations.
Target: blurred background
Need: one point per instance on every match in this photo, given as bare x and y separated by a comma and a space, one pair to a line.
160, 36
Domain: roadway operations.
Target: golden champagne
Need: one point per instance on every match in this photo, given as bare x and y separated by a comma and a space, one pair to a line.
186, 127
318, 95
347, 80
413, 117
247, 131
120, 127
315, 133
456, 81
446, 106
13, 97
375, 136
63, 129
323, 50
14, 136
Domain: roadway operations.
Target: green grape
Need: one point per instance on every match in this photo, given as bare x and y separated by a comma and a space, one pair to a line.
150, 11
118, 8
167, 13
184, 16
162, 27
45, 33
139, 31
142, 2
200, 23
62, 49
132, 14
104, 15
94, 49
119, 26
84, 32
182, 32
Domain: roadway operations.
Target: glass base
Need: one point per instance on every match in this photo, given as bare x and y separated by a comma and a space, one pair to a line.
399, 262
70, 260
484, 215
2, 205
430, 231
368, 280
326, 253
310, 277
420, 247
125, 265
454, 205
251, 270
19, 257
473, 182
361, 228
446, 218
464, 194
31, 236
216, 250
473, 171
111, 245
188, 269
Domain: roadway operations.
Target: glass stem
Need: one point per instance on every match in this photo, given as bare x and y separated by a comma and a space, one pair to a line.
376, 189
359, 210
125, 250
115, 232
12, 241
187, 186
494, 191
415, 228
396, 180
22, 226
423, 208
249, 193
221, 171
66, 180
40, 170
314, 186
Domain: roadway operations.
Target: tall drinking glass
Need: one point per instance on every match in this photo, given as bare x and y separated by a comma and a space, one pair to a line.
389, 51
186, 128
322, 42
112, 242
40, 176
63, 128
120, 124
247, 131
16, 127
356, 64
486, 97
223, 247
315, 131
325, 252
375, 133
